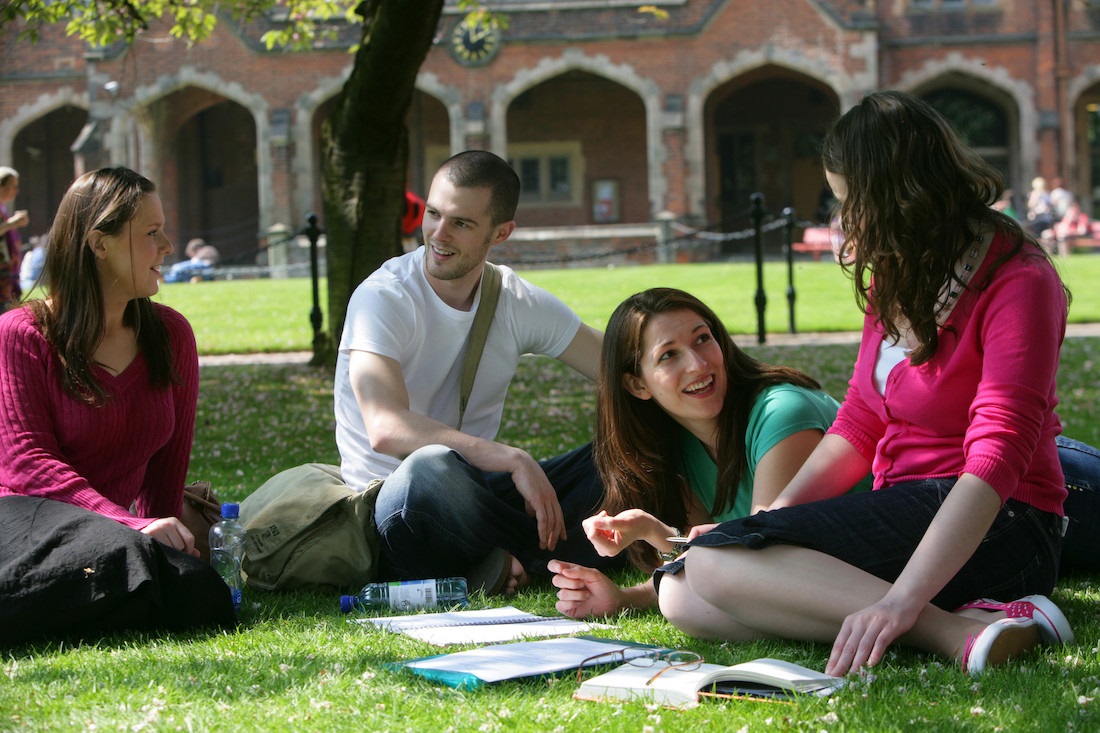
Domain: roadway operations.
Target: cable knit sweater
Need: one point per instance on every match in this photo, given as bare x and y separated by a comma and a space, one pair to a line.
984, 404
134, 447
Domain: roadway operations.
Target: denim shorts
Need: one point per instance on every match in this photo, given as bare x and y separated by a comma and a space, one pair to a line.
878, 531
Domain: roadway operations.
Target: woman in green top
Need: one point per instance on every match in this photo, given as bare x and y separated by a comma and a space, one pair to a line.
690, 431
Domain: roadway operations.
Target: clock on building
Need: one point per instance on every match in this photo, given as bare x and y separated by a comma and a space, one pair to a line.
476, 44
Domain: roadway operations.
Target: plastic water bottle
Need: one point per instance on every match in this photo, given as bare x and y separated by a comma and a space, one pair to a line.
227, 550
408, 595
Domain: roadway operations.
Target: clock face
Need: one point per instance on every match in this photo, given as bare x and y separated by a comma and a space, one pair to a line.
473, 45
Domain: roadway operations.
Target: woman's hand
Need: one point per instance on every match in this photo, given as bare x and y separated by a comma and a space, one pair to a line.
585, 591
172, 532
610, 535
961, 522
866, 635
700, 529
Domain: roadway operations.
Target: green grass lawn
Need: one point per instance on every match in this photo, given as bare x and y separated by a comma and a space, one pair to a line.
296, 664
243, 316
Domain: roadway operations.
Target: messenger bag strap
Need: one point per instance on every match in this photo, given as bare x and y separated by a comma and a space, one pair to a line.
490, 293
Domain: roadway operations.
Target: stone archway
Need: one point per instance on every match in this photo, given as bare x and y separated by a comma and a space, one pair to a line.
1084, 93
435, 107
704, 187
1015, 97
623, 75
146, 131
42, 155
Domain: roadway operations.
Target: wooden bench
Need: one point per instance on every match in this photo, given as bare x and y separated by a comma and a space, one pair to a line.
1081, 233
815, 241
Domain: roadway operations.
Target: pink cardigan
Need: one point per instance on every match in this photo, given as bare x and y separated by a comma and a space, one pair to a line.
136, 446
984, 404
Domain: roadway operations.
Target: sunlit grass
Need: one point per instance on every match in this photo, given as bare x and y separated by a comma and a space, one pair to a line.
243, 316
295, 664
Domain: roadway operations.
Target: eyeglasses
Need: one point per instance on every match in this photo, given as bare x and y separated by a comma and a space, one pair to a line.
680, 660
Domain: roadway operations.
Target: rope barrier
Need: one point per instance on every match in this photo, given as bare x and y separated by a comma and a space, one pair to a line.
689, 239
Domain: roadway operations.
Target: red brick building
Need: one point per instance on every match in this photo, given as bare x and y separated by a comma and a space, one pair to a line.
610, 114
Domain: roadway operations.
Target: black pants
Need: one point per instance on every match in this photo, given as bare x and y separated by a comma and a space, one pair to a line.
66, 571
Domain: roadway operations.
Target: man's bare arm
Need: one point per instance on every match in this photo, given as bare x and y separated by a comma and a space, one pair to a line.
394, 429
583, 352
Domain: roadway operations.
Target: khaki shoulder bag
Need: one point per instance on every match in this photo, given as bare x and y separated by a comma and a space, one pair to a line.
306, 527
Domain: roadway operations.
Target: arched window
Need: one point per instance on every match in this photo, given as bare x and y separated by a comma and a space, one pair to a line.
981, 124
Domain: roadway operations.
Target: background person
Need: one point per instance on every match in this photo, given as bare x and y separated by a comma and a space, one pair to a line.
11, 246
951, 406
1061, 198
33, 261
201, 260
100, 386
1040, 213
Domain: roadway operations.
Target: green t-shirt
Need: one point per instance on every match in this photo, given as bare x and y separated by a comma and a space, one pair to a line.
779, 412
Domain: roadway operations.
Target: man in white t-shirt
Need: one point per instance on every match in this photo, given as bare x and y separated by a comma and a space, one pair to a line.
459, 502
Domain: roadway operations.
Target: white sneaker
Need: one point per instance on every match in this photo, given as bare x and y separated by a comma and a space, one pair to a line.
1053, 625
999, 642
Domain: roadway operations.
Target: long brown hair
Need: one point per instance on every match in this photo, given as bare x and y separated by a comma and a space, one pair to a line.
637, 445
73, 320
917, 197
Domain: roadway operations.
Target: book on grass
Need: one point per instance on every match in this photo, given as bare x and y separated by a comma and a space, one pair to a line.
486, 626
683, 686
499, 662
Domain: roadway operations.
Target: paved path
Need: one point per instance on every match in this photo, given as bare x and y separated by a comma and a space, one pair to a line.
1074, 330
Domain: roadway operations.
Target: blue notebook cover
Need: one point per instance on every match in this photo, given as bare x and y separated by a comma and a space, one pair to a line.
497, 662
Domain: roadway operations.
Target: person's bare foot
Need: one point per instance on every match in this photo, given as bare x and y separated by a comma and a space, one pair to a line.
517, 577
498, 573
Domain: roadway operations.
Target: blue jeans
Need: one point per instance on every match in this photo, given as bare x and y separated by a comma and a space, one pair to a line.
1081, 465
437, 515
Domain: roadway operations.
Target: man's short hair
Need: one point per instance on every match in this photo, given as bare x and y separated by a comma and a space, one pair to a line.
482, 169
194, 246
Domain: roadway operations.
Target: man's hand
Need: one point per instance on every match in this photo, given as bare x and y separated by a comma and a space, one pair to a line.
540, 499
172, 532
584, 592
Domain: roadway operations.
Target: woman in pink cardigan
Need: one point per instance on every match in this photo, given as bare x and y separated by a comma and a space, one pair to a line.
950, 406
99, 387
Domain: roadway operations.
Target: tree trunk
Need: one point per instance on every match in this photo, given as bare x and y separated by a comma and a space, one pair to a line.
365, 149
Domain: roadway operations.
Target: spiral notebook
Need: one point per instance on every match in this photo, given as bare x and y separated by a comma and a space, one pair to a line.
485, 626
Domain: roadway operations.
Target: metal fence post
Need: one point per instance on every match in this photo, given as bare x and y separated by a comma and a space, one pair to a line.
664, 244
316, 319
761, 299
788, 212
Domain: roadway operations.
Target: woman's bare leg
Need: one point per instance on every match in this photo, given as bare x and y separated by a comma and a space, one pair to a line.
793, 593
695, 617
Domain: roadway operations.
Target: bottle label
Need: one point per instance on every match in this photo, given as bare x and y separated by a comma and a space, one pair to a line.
406, 595
237, 595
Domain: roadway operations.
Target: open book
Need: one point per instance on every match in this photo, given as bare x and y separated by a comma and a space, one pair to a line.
680, 687
487, 626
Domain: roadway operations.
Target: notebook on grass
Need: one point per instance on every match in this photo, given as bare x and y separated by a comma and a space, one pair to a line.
486, 626
682, 687
498, 662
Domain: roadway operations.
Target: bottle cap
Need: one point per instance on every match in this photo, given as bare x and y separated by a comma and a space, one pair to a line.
348, 603
231, 511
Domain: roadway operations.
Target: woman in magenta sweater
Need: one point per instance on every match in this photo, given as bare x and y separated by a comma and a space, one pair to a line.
99, 387
951, 406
